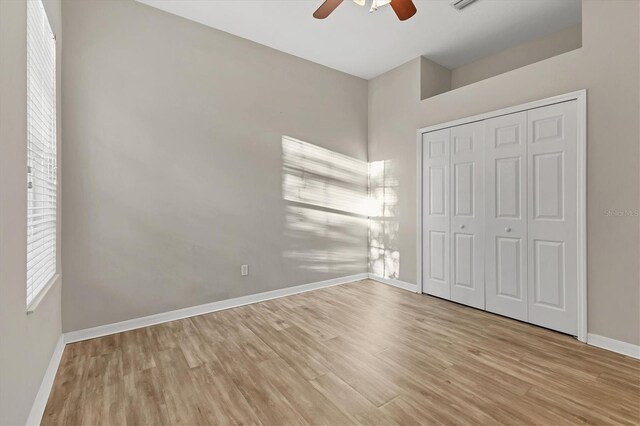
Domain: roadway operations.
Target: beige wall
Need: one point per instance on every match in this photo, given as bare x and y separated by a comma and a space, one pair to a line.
434, 78
26, 341
173, 165
519, 56
607, 66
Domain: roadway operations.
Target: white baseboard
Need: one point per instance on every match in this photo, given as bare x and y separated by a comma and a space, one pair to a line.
104, 330
602, 342
613, 345
396, 283
40, 403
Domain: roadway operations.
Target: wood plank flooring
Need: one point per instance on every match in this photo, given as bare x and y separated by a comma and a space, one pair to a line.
360, 353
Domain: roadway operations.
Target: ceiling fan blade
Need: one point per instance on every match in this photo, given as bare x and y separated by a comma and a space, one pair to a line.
326, 8
405, 9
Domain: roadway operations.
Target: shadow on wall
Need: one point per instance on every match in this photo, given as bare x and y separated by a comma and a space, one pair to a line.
325, 214
384, 254
334, 204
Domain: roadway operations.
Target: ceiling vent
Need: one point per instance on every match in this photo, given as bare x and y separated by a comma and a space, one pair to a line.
461, 4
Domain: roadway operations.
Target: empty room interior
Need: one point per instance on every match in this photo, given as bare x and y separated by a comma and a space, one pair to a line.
319, 212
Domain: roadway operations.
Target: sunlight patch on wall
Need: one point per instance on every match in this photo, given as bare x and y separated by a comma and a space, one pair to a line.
325, 241
326, 209
320, 177
335, 204
384, 253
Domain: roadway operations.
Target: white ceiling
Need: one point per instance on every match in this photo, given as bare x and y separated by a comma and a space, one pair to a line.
369, 44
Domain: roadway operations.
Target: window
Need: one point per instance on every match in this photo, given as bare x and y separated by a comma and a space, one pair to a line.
41, 151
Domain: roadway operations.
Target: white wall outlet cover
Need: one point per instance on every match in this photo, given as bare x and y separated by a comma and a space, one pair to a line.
244, 270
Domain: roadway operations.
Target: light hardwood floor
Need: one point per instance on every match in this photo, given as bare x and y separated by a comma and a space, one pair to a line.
362, 353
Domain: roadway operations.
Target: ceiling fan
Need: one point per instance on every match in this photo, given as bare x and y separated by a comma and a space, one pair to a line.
404, 9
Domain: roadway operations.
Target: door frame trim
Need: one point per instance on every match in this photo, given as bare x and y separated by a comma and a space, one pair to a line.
581, 97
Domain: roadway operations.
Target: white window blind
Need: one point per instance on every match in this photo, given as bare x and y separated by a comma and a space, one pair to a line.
41, 150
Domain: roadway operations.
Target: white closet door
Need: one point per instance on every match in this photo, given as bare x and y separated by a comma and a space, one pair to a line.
467, 214
506, 215
552, 188
435, 237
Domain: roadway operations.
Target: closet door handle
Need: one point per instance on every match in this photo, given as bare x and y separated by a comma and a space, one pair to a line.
461, 226
507, 229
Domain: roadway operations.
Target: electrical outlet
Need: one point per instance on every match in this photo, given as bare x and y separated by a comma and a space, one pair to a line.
244, 270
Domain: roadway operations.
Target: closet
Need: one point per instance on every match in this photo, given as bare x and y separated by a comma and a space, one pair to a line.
500, 210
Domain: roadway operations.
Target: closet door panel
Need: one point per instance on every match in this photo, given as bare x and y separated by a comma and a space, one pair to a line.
467, 215
552, 219
435, 211
506, 218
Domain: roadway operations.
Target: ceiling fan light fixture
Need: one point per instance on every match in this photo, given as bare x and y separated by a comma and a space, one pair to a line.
404, 9
375, 4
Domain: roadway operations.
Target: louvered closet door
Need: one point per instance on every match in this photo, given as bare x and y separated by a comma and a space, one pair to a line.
435, 211
552, 163
506, 215
467, 214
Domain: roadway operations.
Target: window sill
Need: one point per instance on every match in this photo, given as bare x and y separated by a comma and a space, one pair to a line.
31, 307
